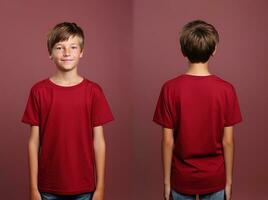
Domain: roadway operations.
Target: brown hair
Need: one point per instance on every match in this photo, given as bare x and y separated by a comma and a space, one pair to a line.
62, 32
198, 40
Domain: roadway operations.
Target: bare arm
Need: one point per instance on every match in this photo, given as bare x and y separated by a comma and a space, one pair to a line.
228, 147
33, 150
167, 149
99, 149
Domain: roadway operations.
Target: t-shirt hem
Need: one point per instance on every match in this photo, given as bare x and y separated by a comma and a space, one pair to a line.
30, 122
233, 123
199, 191
159, 122
103, 122
61, 192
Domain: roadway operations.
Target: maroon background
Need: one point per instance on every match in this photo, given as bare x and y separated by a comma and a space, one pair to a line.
24, 61
241, 59
131, 49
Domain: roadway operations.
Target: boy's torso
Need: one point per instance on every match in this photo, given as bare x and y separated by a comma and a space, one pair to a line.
196, 111
66, 158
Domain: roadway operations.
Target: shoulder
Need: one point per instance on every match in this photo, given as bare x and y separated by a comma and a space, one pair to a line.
93, 86
224, 84
40, 85
173, 83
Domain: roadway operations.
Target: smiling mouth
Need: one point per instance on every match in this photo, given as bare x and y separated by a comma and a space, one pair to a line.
66, 60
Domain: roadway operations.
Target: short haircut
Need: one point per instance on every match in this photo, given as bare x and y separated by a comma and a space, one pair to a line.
62, 32
198, 40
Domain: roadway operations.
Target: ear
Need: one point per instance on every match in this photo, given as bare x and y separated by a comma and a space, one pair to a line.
215, 50
81, 53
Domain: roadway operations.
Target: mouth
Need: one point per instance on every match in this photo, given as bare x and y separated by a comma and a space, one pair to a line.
66, 60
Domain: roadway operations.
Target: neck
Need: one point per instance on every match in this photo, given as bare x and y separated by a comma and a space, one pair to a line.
66, 77
198, 69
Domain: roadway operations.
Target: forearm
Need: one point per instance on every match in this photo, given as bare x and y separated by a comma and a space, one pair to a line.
228, 158
167, 150
228, 147
33, 150
99, 149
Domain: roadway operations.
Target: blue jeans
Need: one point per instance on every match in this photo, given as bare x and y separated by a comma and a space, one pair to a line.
49, 196
219, 195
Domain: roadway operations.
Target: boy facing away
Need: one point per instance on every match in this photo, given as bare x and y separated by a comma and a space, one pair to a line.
66, 113
197, 111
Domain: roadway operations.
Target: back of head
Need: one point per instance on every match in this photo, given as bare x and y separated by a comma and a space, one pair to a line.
62, 32
198, 41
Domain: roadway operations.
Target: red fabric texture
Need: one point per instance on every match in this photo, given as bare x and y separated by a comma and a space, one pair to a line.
66, 117
197, 108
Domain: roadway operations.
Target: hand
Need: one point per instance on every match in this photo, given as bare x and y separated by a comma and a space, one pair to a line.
228, 192
98, 194
35, 195
167, 191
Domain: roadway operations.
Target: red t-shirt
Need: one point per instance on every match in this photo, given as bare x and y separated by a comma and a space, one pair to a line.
66, 116
197, 108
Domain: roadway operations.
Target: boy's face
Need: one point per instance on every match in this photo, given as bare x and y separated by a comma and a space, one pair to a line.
66, 54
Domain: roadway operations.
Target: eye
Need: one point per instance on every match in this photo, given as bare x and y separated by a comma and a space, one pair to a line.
58, 48
74, 47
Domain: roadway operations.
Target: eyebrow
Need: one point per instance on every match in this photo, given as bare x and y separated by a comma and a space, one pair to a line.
70, 44
60, 44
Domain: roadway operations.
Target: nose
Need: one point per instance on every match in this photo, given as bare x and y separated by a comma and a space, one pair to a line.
66, 52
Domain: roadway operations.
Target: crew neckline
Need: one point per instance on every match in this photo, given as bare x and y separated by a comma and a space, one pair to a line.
66, 87
198, 76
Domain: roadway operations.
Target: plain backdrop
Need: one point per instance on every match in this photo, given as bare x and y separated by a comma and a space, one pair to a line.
131, 49
24, 61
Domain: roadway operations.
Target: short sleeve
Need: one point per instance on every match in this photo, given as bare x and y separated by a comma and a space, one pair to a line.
101, 112
164, 113
32, 110
232, 114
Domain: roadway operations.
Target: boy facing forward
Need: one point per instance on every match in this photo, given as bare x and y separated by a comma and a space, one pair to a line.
66, 113
197, 111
